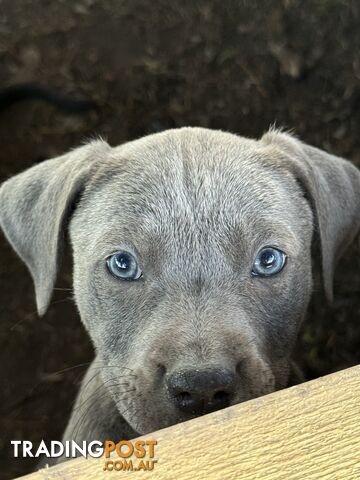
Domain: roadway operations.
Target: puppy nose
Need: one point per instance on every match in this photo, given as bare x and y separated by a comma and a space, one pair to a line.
201, 391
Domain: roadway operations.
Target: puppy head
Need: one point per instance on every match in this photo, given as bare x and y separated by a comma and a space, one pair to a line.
192, 258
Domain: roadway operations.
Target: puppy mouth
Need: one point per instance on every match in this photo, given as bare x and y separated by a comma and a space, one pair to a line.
147, 403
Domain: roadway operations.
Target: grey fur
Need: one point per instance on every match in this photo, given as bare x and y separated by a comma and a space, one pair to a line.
195, 206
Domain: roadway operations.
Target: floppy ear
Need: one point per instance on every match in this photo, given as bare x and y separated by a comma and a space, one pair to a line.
332, 185
34, 210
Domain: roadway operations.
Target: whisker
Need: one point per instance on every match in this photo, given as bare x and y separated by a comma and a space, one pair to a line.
67, 369
80, 422
107, 383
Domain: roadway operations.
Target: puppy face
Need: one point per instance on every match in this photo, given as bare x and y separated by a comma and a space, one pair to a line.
192, 259
194, 219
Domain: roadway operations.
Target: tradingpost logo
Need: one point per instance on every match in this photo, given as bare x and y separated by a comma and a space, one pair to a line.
125, 455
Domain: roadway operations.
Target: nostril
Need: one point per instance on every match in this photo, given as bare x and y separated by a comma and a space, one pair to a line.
221, 399
221, 396
186, 402
183, 396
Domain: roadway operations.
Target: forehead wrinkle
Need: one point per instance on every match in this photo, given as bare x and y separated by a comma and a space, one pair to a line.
192, 170
192, 209
204, 208
196, 193
194, 190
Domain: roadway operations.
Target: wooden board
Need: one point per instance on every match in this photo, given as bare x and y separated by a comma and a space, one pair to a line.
307, 432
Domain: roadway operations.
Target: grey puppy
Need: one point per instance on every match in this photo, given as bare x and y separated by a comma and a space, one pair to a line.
192, 257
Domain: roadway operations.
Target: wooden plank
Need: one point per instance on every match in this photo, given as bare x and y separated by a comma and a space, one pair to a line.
307, 432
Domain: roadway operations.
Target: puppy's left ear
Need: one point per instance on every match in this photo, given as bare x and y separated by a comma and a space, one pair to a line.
332, 185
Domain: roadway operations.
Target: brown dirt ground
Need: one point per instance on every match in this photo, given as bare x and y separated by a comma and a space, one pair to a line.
234, 65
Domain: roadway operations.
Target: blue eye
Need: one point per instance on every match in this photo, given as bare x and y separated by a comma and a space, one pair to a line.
123, 265
269, 261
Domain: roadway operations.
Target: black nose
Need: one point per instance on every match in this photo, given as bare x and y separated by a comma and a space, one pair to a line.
201, 391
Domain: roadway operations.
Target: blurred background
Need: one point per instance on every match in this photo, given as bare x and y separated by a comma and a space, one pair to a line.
234, 65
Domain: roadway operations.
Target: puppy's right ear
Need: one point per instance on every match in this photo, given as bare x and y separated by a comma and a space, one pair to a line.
35, 207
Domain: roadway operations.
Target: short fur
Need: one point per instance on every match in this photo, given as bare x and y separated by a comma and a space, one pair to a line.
194, 206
